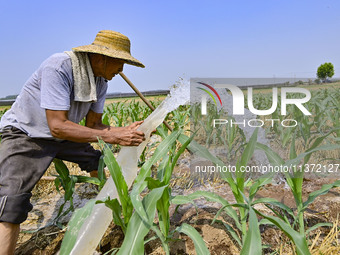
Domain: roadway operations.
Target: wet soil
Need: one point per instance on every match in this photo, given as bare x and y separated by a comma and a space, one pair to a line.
46, 201
325, 208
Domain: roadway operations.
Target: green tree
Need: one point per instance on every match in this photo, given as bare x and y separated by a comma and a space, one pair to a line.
325, 71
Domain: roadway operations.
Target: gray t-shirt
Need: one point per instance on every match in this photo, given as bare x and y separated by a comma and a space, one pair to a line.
50, 87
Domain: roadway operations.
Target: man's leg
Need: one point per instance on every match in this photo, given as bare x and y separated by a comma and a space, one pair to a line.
81, 153
23, 161
9, 233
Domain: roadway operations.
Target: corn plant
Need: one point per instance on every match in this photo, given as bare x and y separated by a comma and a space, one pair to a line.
246, 203
162, 206
180, 117
138, 111
333, 114
295, 182
68, 183
248, 238
137, 224
116, 114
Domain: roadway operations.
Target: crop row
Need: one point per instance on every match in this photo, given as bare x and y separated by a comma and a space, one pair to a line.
151, 196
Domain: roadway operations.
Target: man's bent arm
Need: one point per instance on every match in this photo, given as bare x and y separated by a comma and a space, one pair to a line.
94, 120
61, 127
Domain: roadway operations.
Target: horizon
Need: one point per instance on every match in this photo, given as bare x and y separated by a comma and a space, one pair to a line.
272, 81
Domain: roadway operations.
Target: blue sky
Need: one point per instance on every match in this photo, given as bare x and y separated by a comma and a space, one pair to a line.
250, 38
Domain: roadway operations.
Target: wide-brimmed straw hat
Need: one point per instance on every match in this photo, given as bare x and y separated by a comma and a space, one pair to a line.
111, 44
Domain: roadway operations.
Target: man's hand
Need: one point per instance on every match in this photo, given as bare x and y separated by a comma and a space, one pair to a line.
129, 135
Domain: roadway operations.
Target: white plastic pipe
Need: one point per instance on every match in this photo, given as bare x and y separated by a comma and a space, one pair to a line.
96, 224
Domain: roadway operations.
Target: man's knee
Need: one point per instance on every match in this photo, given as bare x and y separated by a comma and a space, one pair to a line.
14, 208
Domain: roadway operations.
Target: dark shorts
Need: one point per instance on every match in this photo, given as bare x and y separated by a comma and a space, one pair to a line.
23, 160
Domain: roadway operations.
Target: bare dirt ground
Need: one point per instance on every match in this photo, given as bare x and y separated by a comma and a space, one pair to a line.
46, 202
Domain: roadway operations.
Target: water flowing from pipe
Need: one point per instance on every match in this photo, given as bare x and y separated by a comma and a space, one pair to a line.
96, 224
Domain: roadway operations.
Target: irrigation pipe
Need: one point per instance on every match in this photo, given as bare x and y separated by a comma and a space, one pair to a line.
141, 96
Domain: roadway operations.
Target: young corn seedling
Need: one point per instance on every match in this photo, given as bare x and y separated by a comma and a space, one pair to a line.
295, 182
180, 117
136, 225
245, 229
68, 183
144, 180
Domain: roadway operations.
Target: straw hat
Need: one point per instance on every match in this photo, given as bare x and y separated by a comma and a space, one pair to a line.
111, 44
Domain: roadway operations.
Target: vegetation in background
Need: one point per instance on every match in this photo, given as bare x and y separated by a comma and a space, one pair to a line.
136, 209
325, 71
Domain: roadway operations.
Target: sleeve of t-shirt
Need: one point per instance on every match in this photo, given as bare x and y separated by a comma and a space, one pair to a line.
101, 94
55, 89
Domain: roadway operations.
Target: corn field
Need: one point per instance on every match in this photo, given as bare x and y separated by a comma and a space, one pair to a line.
145, 208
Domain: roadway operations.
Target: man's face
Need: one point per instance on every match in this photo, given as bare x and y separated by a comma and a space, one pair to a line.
113, 67
106, 67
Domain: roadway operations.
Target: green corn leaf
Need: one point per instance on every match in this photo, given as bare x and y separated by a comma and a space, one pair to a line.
274, 202
298, 239
316, 143
74, 225
174, 160
296, 181
165, 242
86, 179
319, 225
101, 171
246, 156
324, 190
252, 244
292, 152
61, 169
286, 137
162, 131
118, 178
263, 180
200, 246
57, 183
69, 189
232, 232
210, 196
159, 153
301, 156
203, 152
162, 168
116, 208
153, 183
105, 119
137, 229
272, 156
163, 205
266, 222
249, 150
161, 150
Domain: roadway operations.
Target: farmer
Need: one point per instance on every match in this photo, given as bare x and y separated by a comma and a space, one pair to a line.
43, 123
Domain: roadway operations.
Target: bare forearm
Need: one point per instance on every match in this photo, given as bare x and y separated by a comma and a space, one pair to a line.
68, 130
100, 126
65, 129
